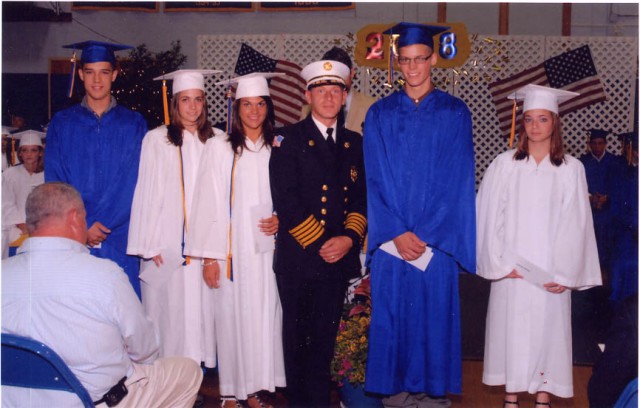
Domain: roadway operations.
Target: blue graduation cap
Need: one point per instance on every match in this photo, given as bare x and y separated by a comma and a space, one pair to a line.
92, 51
598, 134
96, 51
413, 33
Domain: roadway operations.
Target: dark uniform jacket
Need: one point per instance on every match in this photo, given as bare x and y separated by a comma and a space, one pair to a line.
317, 195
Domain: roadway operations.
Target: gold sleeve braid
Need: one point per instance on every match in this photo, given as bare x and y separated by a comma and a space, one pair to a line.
308, 231
356, 222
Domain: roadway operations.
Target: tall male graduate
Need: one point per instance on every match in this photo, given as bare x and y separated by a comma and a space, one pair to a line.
95, 147
418, 149
318, 188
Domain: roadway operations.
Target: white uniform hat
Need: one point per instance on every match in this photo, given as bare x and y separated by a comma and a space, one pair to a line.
29, 138
542, 97
6, 130
254, 84
184, 79
325, 73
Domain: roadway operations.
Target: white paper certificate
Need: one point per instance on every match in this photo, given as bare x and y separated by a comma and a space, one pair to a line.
420, 263
156, 276
532, 272
263, 243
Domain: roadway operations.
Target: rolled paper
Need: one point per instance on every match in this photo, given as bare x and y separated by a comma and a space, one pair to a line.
165, 103
513, 124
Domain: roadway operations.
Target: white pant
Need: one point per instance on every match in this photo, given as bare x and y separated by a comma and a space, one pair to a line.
168, 382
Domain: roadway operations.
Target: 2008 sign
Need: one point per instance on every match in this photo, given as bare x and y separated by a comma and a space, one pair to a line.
373, 47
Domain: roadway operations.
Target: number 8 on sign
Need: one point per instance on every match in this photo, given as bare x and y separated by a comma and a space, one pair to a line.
448, 49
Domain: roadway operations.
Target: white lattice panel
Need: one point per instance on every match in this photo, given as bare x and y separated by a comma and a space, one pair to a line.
492, 58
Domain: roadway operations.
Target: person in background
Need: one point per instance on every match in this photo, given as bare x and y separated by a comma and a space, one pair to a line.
624, 222
418, 151
232, 230
84, 309
17, 183
357, 104
173, 293
103, 167
318, 187
600, 168
535, 241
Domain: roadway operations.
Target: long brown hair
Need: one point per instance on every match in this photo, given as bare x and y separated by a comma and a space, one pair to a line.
237, 136
40, 165
175, 128
556, 152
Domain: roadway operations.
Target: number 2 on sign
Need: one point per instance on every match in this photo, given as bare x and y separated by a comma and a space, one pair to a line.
376, 51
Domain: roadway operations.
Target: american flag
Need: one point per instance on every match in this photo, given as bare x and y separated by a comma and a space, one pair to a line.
287, 92
572, 71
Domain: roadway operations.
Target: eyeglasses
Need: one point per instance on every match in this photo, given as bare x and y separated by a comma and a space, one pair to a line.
418, 60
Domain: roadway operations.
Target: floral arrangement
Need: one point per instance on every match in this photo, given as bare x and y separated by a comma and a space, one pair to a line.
350, 354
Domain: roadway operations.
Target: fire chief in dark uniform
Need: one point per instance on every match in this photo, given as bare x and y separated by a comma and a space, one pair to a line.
318, 188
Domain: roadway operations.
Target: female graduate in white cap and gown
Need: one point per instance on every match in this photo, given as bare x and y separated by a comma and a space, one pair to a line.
173, 293
17, 183
536, 243
233, 232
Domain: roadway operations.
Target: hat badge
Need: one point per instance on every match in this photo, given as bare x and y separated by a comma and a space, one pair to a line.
327, 66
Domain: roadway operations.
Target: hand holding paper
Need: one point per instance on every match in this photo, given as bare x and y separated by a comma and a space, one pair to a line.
421, 262
263, 243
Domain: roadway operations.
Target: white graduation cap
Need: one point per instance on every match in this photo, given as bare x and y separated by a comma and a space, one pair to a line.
254, 84
184, 79
325, 72
6, 130
542, 97
29, 137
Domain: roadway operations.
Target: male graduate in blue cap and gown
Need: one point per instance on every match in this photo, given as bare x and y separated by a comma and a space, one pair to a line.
624, 221
418, 148
600, 168
95, 146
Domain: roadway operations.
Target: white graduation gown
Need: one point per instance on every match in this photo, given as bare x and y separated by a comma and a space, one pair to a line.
248, 315
17, 183
541, 213
174, 295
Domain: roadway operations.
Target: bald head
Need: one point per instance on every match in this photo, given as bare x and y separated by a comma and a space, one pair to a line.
56, 209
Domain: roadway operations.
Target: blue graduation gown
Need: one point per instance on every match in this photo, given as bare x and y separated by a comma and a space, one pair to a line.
420, 173
624, 209
600, 178
100, 157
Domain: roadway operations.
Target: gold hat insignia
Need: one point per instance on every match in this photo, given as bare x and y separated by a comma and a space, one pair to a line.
312, 143
327, 66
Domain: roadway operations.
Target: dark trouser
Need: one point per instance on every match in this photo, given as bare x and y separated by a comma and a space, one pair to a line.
311, 314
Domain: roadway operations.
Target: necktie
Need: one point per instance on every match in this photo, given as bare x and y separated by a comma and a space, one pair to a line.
330, 142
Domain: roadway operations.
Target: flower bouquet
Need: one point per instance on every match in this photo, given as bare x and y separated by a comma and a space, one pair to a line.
350, 354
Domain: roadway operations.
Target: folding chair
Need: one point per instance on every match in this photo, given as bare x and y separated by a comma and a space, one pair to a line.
30, 364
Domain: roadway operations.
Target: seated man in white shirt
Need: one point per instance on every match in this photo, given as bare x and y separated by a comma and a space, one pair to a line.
84, 308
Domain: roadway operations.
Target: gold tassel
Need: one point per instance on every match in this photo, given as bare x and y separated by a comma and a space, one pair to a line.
13, 152
165, 103
513, 125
